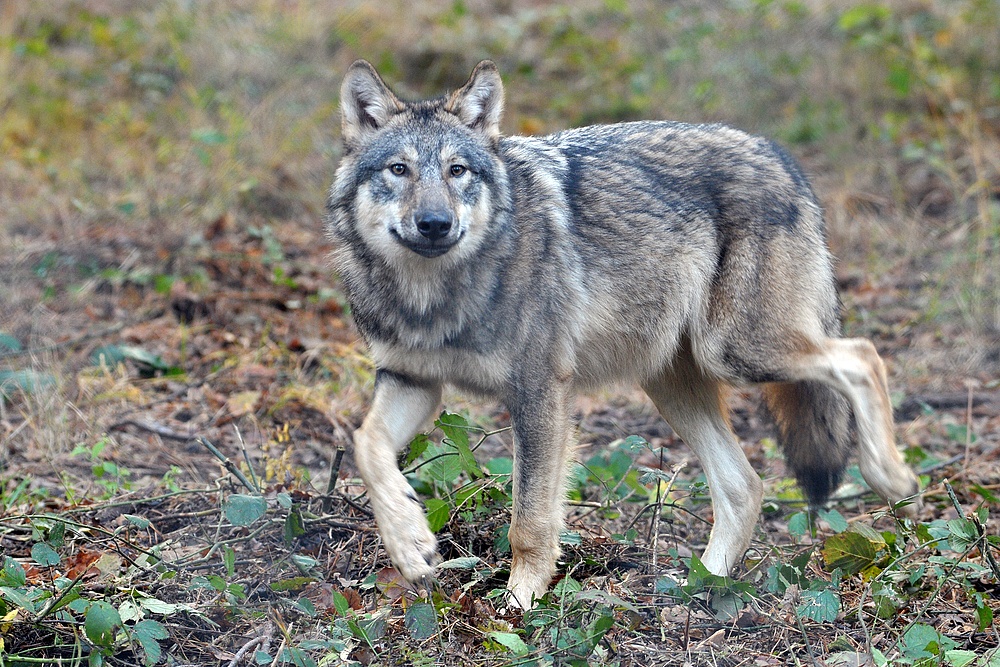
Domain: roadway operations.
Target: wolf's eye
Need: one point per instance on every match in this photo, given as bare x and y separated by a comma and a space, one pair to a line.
398, 169
458, 170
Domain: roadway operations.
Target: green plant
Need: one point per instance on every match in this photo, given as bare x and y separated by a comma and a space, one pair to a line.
567, 625
449, 474
108, 475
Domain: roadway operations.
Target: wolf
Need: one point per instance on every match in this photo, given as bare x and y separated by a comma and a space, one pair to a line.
685, 258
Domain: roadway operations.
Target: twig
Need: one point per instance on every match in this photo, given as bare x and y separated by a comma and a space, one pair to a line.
968, 429
277, 655
180, 564
139, 501
888, 568
229, 465
55, 601
246, 458
151, 427
331, 485
805, 638
114, 535
659, 503
262, 638
981, 541
933, 597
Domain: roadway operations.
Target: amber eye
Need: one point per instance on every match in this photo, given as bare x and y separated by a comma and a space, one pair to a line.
397, 169
458, 170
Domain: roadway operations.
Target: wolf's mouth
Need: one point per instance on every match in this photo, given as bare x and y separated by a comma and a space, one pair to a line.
425, 248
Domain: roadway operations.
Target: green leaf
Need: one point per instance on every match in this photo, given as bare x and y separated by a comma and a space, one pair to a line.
292, 584
834, 519
567, 585
418, 446
501, 542
9, 342
12, 573
115, 354
959, 433
297, 657
634, 443
66, 600
603, 623
156, 606
609, 599
462, 563
798, 524
984, 613
304, 563
19, 598
963, 533
229, 559
511, 641
340, 603
44, 555
923, 641
208, 136
900, 79
455, 428
867, 16
25, 381
821, 606
959, 658
444, 465
139, 522
421, 620
850, 551
243, 510
147, 632
502, 465
570, 537
101, 622
294, 526
985, 494
456, 432
437, 514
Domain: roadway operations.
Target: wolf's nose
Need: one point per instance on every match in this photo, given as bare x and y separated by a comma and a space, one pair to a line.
434, 226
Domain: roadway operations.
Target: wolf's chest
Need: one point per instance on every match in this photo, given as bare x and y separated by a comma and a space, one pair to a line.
485, 373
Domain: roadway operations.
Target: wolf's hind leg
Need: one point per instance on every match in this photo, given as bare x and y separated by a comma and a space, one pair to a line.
399, 409
852, 367
693, 404
542, 433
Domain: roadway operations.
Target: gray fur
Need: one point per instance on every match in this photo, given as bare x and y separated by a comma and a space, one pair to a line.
681, 257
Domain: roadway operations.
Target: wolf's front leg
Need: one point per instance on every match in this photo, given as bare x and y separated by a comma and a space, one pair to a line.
541, 441
400, 407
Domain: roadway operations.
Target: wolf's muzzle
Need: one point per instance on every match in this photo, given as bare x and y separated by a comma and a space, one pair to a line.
434, 225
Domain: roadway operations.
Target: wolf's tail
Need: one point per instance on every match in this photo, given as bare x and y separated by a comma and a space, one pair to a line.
814, 426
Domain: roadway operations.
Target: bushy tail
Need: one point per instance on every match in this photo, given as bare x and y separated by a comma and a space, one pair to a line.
814, 425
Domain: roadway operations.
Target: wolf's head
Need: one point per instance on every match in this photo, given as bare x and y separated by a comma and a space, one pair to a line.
422, 174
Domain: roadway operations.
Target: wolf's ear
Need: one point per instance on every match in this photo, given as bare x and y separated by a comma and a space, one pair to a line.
479, 103
366, 103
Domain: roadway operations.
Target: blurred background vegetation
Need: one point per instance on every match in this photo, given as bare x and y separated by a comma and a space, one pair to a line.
155, 118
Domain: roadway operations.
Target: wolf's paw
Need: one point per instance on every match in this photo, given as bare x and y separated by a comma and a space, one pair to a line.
895, 483
527, 584
409, 541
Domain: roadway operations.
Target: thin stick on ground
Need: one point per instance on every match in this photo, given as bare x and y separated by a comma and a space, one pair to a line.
227, 463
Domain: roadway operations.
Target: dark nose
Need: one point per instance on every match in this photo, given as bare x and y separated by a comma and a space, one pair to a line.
433, 225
